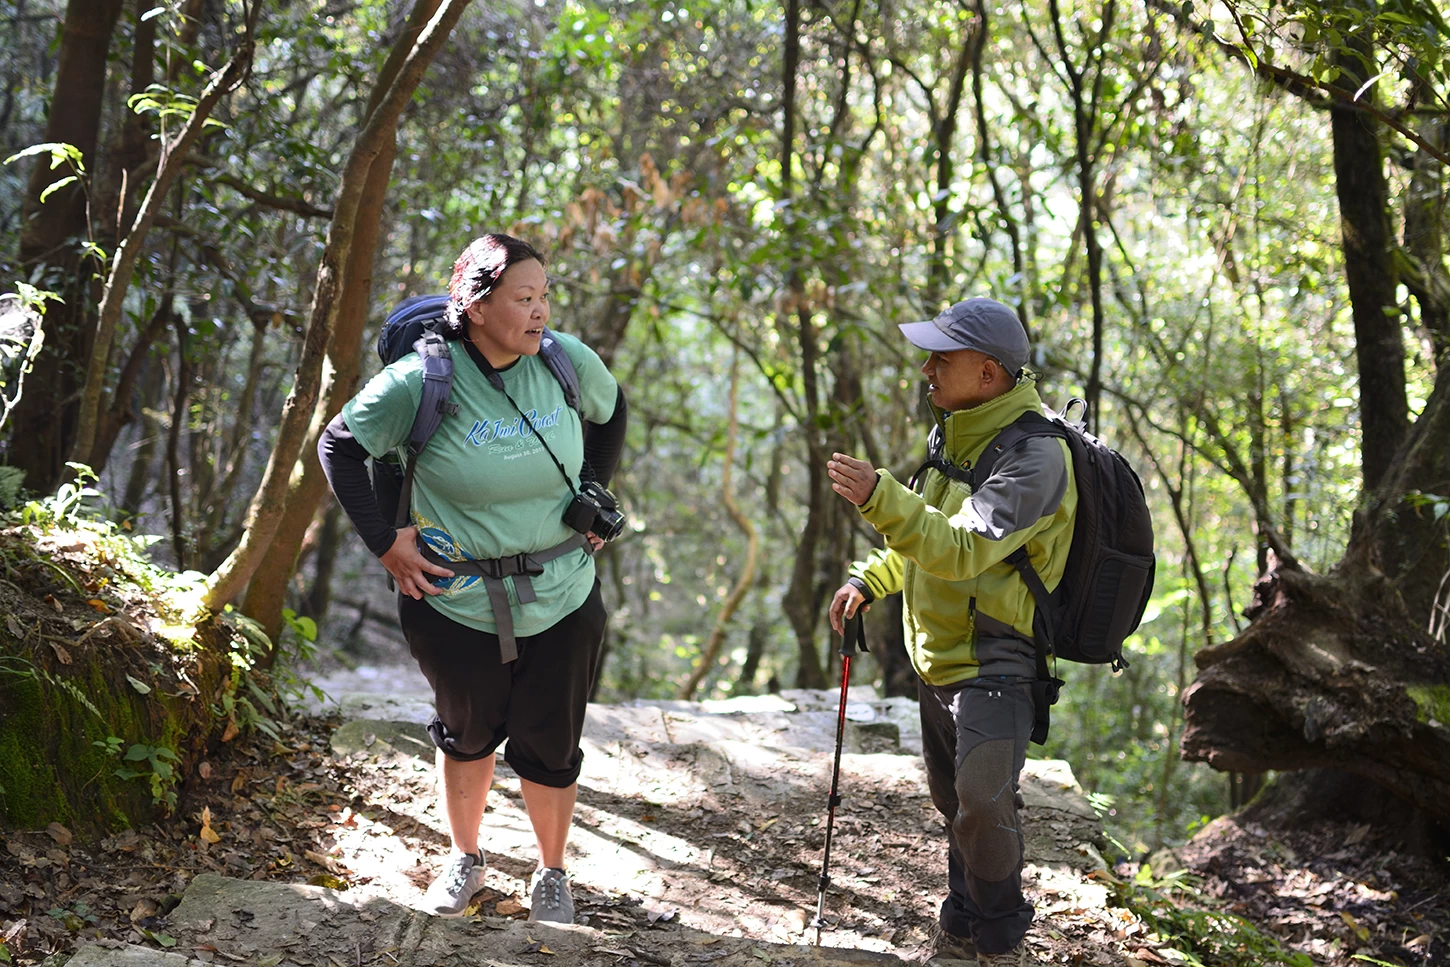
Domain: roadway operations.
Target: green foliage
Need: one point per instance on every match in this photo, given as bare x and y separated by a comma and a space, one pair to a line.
1197, 935
166, 104
300, 625
12, 479
159, 771
64, 729
65, 506
60, 154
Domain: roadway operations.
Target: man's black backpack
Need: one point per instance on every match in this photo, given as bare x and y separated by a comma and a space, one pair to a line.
1109, 573
414, 326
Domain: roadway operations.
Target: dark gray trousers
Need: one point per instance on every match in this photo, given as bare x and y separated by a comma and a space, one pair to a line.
974, 739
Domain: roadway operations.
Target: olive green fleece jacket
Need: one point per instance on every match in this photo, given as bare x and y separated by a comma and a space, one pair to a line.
946, 548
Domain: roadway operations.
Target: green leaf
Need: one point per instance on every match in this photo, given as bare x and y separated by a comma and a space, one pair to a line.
138, 752
262, 697
59, 152
164, 939
139, 685
56, 186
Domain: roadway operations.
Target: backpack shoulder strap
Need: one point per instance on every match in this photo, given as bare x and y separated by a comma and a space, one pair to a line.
1026, 427
437, 387
563, 369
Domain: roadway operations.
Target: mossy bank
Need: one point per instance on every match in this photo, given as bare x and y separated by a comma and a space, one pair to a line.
110, 686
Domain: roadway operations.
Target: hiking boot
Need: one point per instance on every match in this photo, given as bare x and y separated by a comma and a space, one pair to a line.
1016, 957
449, 894
549, 897
942, 946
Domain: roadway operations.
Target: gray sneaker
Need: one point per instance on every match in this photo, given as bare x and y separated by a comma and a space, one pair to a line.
944, 948
549, 897
1016, 957
449, 894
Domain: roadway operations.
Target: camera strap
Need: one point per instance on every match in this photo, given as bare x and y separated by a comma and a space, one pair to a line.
496, 381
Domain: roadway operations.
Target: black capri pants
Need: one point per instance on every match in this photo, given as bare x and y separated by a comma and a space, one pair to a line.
536, 702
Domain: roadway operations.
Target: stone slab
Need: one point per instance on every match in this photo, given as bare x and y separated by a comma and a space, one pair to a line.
382, 739
245, 921
128, 955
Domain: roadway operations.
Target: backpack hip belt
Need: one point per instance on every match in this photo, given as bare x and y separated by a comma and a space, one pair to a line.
523, 568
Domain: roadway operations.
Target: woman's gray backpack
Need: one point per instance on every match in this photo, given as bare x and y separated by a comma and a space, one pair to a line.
1110, 566
415, 326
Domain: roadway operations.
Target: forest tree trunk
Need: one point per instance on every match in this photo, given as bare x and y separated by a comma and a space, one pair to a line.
269, 504
798, 604
123, 261
267, 592
51, 235
1369, 269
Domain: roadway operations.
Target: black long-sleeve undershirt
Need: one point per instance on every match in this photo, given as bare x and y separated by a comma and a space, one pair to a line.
604, 442
344, 464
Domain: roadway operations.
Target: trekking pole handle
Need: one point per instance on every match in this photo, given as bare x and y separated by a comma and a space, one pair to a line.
853, 636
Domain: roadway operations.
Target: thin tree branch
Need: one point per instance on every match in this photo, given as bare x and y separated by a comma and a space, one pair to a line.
269, 200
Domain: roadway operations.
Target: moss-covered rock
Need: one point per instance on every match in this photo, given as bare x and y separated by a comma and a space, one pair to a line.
1432, 703
94, 664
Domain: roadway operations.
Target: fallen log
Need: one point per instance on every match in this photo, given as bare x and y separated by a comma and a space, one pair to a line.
1342, 671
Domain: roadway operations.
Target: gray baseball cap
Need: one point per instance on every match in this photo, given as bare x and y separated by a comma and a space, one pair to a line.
985, 325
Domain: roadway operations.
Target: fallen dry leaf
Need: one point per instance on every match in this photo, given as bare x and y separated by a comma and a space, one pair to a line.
239, 783
507, 908
203, 769
231, 731
13, 626
208, 834
145, 907
50, 600
60, 834
61, 655
99, 605
322, 860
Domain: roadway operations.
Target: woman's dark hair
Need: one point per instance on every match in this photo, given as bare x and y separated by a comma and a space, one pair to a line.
476, 273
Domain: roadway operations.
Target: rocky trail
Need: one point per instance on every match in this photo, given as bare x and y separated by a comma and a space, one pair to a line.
698, 841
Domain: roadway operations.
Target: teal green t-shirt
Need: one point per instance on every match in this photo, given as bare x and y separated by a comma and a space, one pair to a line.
484, 486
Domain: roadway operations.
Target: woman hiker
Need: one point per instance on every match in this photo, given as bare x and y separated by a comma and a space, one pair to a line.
487, 529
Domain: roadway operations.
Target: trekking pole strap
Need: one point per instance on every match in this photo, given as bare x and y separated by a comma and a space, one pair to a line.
853, 638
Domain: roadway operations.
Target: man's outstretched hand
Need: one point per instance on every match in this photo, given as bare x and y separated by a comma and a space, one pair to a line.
851, 478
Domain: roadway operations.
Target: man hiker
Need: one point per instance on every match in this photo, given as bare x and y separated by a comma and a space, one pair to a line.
968, 614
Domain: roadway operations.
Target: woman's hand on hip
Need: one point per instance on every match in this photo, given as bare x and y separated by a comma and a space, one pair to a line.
410, 568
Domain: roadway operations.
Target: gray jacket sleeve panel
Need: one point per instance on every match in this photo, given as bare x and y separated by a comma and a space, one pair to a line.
1027, 484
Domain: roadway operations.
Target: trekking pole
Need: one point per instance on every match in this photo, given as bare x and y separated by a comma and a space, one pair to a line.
853, 642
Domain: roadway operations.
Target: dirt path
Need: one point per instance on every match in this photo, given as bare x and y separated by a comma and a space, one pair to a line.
694, 821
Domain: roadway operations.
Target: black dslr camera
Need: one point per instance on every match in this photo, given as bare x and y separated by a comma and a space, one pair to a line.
594, 509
